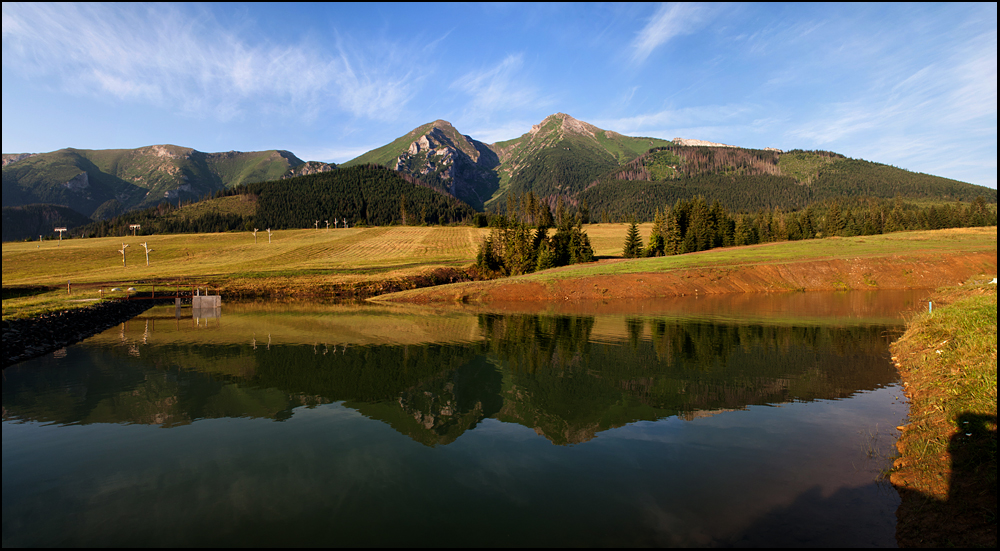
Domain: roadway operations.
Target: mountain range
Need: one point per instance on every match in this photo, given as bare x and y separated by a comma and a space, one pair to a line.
561, 157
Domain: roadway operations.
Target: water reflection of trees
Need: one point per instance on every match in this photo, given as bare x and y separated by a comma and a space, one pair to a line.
531, 342
567, 387
545, 372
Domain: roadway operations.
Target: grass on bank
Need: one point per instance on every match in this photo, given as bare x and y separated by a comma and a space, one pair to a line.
948, 360
944, 241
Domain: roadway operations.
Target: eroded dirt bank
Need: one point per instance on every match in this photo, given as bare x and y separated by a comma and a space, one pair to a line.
923, 271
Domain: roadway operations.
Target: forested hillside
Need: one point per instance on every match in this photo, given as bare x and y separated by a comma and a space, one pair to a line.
748, 180
31, 221
359, 195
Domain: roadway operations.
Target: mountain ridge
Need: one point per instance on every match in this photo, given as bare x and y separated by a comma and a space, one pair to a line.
104, 182
559, 159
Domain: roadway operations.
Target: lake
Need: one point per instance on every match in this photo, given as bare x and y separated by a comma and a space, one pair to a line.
737, 420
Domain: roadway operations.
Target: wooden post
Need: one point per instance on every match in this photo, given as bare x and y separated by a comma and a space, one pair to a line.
69, 288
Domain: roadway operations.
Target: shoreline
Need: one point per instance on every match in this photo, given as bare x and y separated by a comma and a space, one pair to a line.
946, 472
28, 338
582, 282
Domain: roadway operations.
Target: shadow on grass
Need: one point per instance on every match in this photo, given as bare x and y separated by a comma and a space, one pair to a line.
967, 517
20, 292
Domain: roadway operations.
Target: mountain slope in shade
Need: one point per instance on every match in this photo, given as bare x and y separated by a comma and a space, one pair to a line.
443, 158
31, 221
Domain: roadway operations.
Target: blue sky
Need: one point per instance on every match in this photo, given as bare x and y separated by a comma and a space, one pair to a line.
911, 85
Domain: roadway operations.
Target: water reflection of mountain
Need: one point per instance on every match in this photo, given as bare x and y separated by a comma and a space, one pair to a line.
544, 372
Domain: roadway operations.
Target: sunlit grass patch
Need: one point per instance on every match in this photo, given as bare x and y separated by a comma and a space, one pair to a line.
948, 358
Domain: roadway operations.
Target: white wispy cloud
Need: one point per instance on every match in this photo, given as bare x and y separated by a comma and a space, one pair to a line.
669, 21
507, 130
171, 58
661, 123
919, 115
498, 88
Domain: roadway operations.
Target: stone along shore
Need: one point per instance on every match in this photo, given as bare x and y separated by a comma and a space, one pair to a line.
33, 337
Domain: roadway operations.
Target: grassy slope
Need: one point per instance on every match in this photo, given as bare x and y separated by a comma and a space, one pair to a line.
947, 471
236, 204
789, 251
775, 258
138, 177
552, 149
387, 154
802, 166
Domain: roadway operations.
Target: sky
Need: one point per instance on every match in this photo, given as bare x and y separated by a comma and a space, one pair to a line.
910, 85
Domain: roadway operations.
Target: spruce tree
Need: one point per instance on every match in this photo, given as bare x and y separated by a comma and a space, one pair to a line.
834, 222
657, 236
633, 242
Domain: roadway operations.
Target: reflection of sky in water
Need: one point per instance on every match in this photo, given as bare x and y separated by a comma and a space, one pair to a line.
356, 473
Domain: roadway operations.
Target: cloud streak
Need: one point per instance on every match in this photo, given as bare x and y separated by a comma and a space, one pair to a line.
498, 88
944, 108
161, 56
669, 21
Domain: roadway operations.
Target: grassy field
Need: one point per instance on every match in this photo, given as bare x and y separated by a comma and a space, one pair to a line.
310, 258
342, 253
292, 259
947, 471
956, 240
196, 257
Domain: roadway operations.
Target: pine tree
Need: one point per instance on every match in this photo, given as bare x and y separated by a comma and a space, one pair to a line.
657, 239
674, 238
834, 222
633, 242
743, 235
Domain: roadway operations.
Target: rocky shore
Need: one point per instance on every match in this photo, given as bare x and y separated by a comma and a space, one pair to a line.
30, 338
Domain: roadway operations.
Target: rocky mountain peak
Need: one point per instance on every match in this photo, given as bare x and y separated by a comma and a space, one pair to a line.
568, 125
443, 125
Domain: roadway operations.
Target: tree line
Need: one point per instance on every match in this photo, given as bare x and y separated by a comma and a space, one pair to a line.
694, 225
518, 242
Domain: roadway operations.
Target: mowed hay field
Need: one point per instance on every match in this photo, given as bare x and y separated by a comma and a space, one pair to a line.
342, 254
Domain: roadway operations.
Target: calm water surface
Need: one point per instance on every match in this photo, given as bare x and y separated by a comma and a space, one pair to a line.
740, 421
